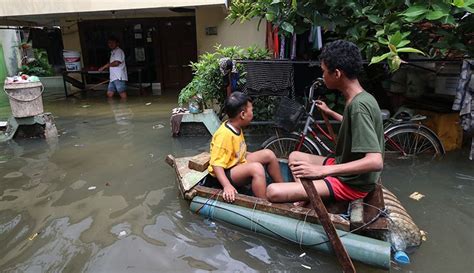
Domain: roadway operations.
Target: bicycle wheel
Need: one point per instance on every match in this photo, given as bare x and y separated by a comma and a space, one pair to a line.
283, 145
412, 140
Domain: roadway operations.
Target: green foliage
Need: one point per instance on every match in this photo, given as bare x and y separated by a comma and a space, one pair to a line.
264, 107
396, 44
382, 29
40, 66
208, 81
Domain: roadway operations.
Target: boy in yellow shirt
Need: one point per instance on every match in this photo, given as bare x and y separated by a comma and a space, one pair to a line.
231, 165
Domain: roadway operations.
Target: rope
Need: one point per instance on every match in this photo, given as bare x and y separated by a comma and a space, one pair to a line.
216, 192
302, 229
253, 213
290, 239
257, 224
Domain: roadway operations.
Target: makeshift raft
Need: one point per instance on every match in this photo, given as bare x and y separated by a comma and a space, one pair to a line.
369, 229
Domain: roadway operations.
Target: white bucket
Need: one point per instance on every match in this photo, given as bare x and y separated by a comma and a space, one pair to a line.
25, 98
72, 59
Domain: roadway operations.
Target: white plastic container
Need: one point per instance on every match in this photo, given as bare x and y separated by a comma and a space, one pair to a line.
72, 59
25, 98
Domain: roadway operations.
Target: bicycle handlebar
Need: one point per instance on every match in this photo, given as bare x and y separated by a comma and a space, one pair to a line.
316, 84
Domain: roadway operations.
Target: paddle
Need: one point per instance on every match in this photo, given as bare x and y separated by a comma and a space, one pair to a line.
328, 226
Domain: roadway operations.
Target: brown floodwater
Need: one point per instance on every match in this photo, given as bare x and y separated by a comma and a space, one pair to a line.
100, 198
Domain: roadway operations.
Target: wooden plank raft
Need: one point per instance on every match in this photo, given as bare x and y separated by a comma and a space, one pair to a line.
188, 179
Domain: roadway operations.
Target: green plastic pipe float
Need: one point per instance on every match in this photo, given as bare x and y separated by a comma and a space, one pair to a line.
363, 249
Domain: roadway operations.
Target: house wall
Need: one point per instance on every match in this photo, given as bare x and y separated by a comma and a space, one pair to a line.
38, 7
237, 34
10, 40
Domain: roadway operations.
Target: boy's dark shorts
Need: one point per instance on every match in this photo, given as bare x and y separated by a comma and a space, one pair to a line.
212, 182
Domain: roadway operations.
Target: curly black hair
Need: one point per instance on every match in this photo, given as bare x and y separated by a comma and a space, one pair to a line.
342, 55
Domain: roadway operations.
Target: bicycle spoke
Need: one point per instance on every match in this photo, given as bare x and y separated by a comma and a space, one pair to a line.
413, 142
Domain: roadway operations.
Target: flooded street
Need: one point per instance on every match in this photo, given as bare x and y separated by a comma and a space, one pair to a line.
102, 199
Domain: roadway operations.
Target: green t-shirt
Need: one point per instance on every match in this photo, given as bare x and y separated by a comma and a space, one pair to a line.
361, 132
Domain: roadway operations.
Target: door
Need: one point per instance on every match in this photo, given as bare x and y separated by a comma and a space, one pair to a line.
178, 40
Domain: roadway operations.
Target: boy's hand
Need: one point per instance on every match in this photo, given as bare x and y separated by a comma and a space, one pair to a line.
304, 169
322, 106
229, 193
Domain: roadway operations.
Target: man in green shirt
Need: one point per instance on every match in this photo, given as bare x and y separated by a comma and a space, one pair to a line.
358, 160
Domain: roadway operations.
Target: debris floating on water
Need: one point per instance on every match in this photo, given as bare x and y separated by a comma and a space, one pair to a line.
91, 188
148, 103
79, 145
158, 126
85, 106
424, 235
32, 237
416, 196
306, 266
303, 254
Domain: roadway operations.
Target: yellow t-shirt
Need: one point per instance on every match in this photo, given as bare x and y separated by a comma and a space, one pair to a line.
227, 148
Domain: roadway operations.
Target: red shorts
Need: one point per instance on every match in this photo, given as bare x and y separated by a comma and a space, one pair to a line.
338, 190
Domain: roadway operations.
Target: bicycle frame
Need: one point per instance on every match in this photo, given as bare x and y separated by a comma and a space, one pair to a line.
310, 121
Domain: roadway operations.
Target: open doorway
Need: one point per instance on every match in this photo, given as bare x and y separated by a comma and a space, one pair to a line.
161, 47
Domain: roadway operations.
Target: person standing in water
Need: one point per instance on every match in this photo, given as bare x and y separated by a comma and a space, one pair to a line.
117, 69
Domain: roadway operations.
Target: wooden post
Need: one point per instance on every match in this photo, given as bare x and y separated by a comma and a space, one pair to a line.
323, 216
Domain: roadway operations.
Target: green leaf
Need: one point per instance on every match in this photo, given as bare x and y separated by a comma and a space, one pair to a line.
367, 8
270, 17
374, 19
435, 15
392, 48
458, 3
469, 9
410, 50
378, 59
405, 34
415, 11
414, 19
441, 6
383, 41
379, 33
395, 39
403, 43
287, 27
294, 4
449, 20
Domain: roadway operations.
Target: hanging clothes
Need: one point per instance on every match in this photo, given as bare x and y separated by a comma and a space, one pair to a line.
276, 43
282, 47
464, 100
293, 47
317, 38
269, 37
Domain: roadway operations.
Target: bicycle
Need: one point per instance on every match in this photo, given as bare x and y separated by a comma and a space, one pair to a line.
404, 138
